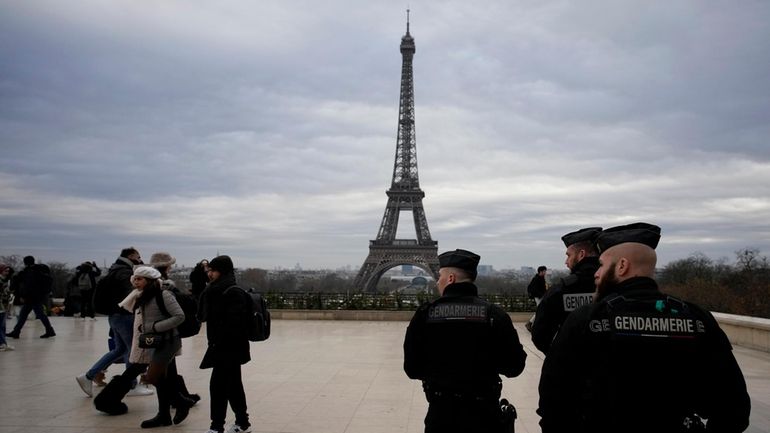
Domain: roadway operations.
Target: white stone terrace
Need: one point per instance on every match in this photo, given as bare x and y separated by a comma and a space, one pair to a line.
312, 376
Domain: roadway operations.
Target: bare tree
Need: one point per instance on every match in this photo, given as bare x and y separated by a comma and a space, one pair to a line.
14, 261
61, 275
254, 277
750, 260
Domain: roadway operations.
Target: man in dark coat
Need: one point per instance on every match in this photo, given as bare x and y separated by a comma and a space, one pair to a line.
458, 346
536, 289
33, 286
116, 286
199, 278
571, 292
80, 291
225, 309
638, 360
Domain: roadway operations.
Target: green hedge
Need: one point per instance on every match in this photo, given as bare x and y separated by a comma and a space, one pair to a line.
377, 301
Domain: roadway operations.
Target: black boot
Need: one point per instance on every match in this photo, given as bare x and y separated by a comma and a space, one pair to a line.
183, 390
110, 399
181, 401
183, 406
160, 420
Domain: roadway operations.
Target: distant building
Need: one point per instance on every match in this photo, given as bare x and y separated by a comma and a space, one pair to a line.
485, 270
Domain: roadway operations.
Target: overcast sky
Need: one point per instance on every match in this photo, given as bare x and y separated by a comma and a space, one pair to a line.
267, 130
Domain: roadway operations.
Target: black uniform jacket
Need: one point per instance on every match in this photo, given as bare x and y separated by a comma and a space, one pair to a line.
461, 343
640, 361
568, 295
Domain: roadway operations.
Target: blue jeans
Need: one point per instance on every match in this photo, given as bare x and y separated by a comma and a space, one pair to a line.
39, 313
123, 329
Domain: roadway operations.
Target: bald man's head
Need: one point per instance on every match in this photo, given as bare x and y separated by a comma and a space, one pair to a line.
624, 261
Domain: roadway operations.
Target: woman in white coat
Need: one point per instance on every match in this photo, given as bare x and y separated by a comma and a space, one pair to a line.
149, 319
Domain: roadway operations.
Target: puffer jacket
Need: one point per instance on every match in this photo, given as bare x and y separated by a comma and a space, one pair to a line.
149, 318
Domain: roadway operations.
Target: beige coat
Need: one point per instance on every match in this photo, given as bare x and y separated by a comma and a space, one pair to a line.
150, 319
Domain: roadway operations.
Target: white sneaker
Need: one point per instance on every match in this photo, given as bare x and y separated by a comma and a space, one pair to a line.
235, 428
86, 385
5, 348
139, 390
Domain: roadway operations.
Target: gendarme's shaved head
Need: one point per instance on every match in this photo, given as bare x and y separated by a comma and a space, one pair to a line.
642, 259
624, 261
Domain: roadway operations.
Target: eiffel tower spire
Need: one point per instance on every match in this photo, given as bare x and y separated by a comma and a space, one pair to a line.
405, 194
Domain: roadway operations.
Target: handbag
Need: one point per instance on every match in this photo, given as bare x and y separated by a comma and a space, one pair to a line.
151, 340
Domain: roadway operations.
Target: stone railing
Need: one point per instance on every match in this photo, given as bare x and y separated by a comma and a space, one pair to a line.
751, 332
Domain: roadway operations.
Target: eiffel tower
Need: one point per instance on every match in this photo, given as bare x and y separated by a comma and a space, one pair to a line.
386, 251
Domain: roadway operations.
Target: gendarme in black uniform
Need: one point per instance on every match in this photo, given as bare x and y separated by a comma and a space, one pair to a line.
565, 297
570, 293
458, 346
641, 361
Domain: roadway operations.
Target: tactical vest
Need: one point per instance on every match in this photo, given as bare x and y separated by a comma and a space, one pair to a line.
646, 316
646, 353
457, 323
571, 301
472, 309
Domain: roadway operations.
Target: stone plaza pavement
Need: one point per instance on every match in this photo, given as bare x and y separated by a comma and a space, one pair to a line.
310, 377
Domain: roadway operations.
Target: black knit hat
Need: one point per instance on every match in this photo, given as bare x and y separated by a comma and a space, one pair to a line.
583, 235
222, 264
643, 233
461, 259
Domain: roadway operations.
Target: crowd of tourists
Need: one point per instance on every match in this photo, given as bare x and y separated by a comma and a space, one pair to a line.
144, 309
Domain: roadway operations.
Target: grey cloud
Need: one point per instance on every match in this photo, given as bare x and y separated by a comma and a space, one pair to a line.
199, 126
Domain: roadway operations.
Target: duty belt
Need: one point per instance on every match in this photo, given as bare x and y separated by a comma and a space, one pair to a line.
491, 394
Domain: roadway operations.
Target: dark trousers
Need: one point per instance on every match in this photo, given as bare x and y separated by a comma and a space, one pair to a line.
165, 391
456, 416
87, 303
72, 305
38, 309
175, 382
160, 378
226, 386
132, 371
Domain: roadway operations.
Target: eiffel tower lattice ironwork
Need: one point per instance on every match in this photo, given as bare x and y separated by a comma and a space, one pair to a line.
386, 251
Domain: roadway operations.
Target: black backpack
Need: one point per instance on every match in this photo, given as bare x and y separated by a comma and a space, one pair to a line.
258, 324
191, 326
105, 295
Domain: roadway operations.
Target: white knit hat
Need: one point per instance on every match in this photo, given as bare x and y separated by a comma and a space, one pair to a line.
146, 272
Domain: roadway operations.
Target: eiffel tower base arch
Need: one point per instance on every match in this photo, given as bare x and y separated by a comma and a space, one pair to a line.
381, 258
